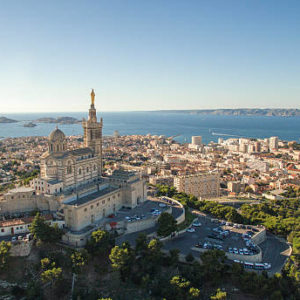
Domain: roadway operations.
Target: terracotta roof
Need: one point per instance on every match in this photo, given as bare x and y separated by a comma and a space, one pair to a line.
21, 221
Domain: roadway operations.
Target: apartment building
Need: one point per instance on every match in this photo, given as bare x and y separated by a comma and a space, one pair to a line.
201, 185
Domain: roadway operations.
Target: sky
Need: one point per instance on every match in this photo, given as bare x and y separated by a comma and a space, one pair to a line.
149, 55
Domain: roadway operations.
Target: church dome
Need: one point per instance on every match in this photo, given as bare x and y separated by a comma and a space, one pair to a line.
56, 135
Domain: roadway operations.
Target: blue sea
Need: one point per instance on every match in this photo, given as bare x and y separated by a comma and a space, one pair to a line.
183, 125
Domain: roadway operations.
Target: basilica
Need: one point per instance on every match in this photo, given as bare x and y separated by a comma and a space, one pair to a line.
72, 187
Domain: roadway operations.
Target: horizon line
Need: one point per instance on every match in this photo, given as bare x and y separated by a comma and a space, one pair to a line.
153, 110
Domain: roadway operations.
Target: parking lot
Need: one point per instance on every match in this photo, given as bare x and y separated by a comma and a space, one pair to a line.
211, 234
274, 251
147, 209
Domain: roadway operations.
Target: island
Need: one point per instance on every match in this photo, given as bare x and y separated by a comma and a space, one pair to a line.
279, 112
59, 120
29, 124
7, 120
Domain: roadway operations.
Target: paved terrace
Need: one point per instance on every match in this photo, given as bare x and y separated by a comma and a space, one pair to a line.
149, 204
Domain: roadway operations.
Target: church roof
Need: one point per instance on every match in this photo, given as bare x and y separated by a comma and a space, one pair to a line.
81, 151
90, 197
56, 135
75, 152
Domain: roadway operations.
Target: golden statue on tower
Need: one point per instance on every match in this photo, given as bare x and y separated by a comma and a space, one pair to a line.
93, 97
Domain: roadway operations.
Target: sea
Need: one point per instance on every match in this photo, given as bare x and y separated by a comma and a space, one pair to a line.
182, 126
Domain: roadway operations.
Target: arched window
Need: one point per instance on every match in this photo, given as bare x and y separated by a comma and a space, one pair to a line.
69, 168
57, 147
87, 169
95, 167
79, 171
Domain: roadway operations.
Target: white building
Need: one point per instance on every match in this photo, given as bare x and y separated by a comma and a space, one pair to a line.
273, 143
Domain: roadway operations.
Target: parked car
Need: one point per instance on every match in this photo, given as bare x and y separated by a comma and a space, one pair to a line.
162, 205
199, 245
191, 229
207, 245
197, 224
219, 247
230, 250
267, 266
20, 238
241, 251
13, 239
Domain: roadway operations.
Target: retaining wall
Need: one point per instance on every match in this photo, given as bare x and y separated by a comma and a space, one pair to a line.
250, 258
140, 225
180, 218
21, 248
259, 237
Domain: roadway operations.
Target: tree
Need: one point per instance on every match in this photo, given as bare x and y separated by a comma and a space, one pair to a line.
44, 232
189, 258
173, 256
219, 295
99, 242
166, 224
276, 295
79, 260
154, 251
51, 275
46, 263
141, 244
122, 259
34, 290
213, 264
194, 293
180, 286
4, 253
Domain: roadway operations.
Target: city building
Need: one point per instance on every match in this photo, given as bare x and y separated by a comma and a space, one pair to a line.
273, 143
197, 140
201, 185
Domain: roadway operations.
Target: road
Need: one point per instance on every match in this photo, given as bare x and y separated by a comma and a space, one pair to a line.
275, 252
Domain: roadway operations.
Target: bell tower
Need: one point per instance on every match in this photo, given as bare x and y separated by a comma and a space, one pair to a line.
93, 131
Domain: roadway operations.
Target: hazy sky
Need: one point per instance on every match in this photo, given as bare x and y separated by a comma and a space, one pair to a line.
148, 54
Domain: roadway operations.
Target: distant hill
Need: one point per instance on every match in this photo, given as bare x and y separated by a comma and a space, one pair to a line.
59, 120
6, 120
240, 112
